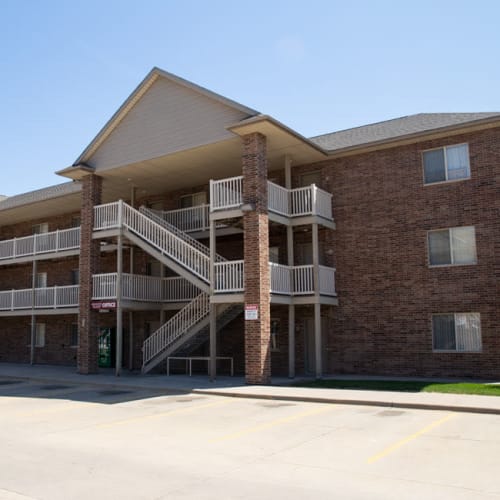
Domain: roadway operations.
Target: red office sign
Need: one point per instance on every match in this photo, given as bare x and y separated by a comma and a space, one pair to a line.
110, 304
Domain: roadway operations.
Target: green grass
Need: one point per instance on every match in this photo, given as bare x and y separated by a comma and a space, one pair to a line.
406, 386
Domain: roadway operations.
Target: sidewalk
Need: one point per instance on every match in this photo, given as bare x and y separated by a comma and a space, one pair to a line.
236, 387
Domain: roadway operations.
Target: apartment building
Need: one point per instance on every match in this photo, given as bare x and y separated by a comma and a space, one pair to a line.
195, 230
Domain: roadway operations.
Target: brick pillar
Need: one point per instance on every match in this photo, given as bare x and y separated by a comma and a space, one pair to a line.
256, 252
89, 264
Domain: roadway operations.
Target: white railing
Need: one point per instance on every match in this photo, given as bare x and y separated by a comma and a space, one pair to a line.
40, 298
303, 280
179, 290
309, 200
278, 199
281, 279
229, 276
143, 288
107, 216
176, 326
327, 280
55, 241
226, 193
160, 219
120, 214
189, 219
299, 280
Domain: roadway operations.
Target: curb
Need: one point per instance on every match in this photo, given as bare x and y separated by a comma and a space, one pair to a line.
354, 402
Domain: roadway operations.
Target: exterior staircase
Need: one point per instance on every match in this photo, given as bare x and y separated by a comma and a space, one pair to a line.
187, 257
185, 331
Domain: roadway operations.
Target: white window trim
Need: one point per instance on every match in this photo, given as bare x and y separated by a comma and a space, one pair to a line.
276, 347
446, 181
455, 351
451, 249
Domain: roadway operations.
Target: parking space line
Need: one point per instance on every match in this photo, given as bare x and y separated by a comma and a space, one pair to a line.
164, 414
411, 437
273, 423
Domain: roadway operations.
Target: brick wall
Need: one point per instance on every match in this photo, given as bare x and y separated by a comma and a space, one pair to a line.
386, 290
15, 340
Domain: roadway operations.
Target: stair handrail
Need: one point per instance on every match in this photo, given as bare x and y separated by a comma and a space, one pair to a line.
178, 232
166, 242
176, 326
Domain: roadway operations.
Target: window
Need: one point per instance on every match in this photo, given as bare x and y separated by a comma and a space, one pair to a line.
39, 335
154, 268
446, 164
75, 276
454, 246
76, 221
74, 338
193, 200
310, 178
41, 228
274, 255
41, 280
275, 328
456, 332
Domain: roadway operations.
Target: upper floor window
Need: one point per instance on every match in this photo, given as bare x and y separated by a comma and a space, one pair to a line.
455, 245
193, 200
456, 332
41, 228
310, 178
446, 164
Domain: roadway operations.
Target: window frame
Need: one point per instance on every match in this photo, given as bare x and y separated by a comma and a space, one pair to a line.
275, 334
40, 333
444, 148
311, 173
455, 351
450, 239
74, 332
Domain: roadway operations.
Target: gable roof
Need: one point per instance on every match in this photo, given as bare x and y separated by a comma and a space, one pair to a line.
397, 128
136, 95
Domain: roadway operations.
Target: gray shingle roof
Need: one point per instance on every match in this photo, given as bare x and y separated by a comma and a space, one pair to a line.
398, 127
40, 195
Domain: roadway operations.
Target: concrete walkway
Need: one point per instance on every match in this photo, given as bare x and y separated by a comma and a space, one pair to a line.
236, 387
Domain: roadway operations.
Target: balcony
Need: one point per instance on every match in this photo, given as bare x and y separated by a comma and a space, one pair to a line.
299, 280
48, 298
66, 241
138, 288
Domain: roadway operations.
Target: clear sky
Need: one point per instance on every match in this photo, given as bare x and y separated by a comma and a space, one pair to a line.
317, 66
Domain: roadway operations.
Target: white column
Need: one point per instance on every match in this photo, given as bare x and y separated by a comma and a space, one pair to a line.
33, 317
119, 312
290, 262
213, 307
317, 305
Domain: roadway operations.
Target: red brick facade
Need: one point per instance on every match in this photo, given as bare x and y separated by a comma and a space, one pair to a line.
387, 292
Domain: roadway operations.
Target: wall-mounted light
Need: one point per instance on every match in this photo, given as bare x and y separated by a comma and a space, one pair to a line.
247, 207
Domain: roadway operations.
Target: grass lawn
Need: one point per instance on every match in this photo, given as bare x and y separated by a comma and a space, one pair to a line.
406, 386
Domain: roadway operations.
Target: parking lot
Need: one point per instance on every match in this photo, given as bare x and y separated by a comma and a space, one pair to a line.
69, 441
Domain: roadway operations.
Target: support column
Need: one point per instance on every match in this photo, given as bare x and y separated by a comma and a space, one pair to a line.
317, 304
256, 254
213, 307
119, 307
88, 324
33, 316
290, 262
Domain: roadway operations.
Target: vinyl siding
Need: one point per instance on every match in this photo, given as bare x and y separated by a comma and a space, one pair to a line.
168, 118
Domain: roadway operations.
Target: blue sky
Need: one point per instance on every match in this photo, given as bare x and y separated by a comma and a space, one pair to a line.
317, 66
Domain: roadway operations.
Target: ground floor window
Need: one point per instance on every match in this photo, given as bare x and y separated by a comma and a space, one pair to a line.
275, 329
39, 335
459, 332
74, 340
